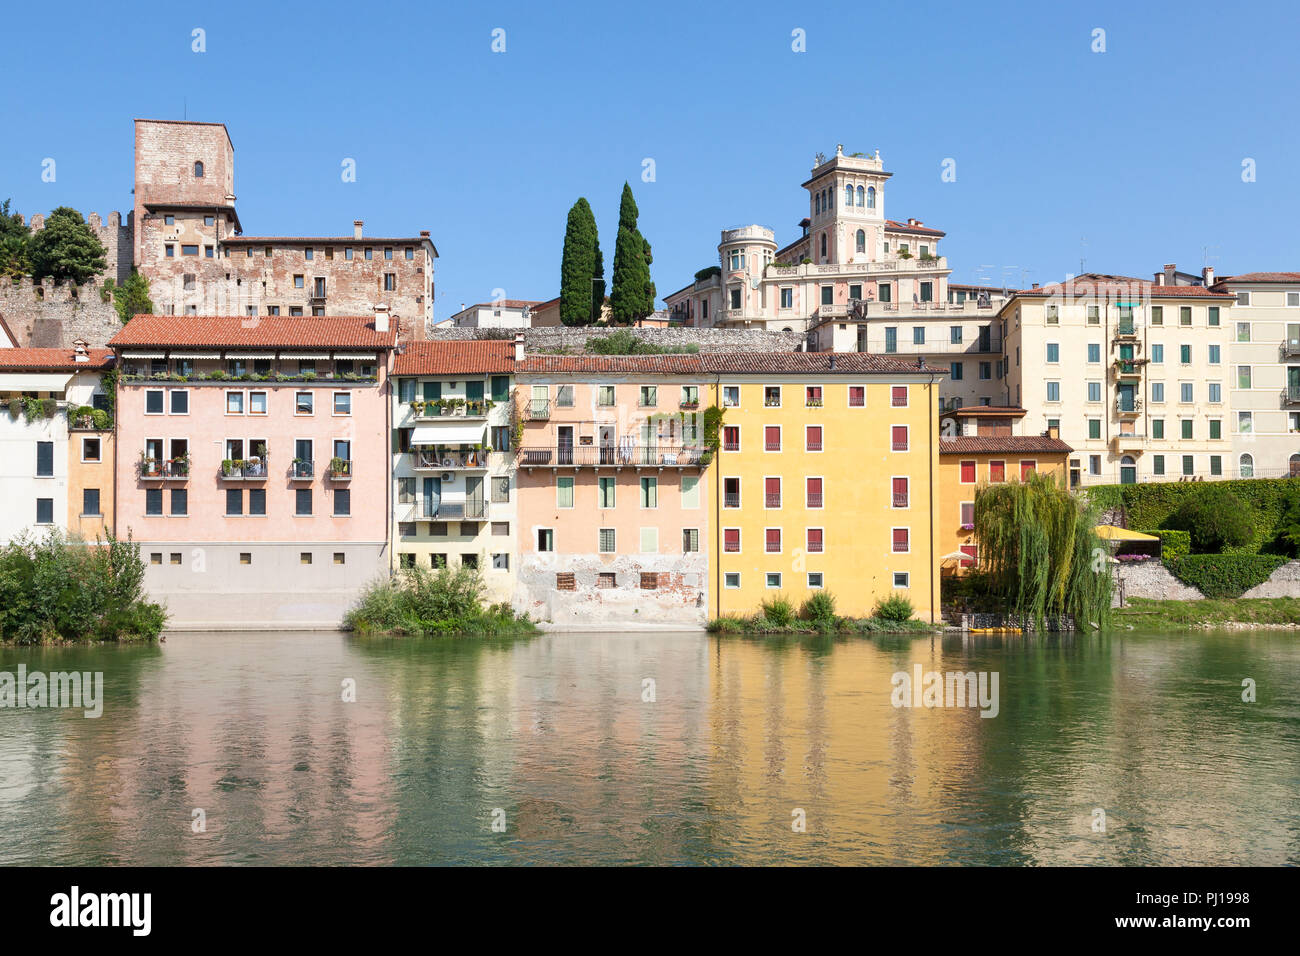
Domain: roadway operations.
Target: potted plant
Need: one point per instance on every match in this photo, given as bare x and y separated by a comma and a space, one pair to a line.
227, 466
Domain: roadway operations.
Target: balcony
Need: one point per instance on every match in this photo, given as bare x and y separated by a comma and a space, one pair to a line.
813, 444
1291, 395
340, 469
1128, 408
445, 458
302, 470
451, 408
239, 469
1128, 441
472, 510
814, 500
536, 410
1128, 368
898, 444
1291, 348
731, 500
900, 500
1126, 332
613, 456
771, 501
169, 469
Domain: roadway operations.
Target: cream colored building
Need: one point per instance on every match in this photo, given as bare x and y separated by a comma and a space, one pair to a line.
1136, 374
1265, 374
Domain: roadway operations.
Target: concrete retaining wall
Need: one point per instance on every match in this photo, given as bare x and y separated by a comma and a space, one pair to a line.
1151, 579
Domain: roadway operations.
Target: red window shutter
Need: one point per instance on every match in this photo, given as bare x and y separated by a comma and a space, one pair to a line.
973, 551
900, 493
772, 437
731, 539
773, 539
968, 472
772, 486
857, 396
898, 395
900, 539
898, 434
1026, 469
814, 539
997, 471
814, 437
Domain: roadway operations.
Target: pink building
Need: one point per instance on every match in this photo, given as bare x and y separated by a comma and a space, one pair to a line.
253, 465
613, 505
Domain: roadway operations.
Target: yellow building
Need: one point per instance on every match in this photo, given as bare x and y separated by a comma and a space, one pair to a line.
968, 461
827, 478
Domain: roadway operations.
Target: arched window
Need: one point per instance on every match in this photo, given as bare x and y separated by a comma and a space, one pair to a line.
817, 203
860, 195
1247, 469
871, 197
198, 170
1127, 470
862, 241
823, 245
848, 195
1295, 466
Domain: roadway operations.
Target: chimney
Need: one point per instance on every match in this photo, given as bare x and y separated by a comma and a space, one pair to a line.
1053, 431
424, 233
1160, 278
1170, 278
519, 346
356, 228
1035, 285
832, 361
1207, 276
381, 318
79, 351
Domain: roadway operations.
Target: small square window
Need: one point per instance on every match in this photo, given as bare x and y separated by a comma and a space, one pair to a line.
304, 557
245, 557
649, 580
565, 581
900, 579
155, 557
175, 557
606, 579
774, 579
815, 579
731, 579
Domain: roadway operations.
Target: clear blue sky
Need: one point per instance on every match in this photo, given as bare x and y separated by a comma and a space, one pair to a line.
1137, 150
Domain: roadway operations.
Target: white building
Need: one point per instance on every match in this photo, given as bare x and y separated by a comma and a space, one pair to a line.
501, 314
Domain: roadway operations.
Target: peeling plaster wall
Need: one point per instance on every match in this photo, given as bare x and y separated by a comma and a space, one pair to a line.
680, 599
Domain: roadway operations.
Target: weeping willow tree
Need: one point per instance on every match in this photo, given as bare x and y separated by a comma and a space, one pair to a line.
1040, 552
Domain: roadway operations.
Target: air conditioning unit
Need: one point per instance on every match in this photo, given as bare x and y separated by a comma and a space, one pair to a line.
448, 476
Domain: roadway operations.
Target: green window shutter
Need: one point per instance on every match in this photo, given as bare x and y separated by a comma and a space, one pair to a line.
474, 390
432, 391
500, 388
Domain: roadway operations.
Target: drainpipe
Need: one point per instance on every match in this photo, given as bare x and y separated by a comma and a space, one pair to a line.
717, 502
931, 456
389, 526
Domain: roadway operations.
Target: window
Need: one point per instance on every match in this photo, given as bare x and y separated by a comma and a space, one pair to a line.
180, 502
787, 298
1245, 423
900, 541
731, 579
189, 250
198, 170
1184, 315
772, 540
606, 579
815, 541
302, 501
898, 396
153, 402
649, 396
773, 579
1157, 315
90, 502
45, 459
1027, 468
968, 472
690, 540
1246, 466
649, 492
1243, 331
169, 251
605, 395
812, 492
234, 501
1212, 313
813, 438
245, 557
1157, 354
997, 471
257, 501
304, 403
1094, 391
1157, 428
1189, 465
1157, 464
772, 438
918, 335
1053, 391
772, 396
731, 540
649, 540
342, 502
1053, 353
1094, 353
1215, 355
730, 396
771, 492
564, 492
1243, 376
857, 396
1053, 315
690, 485
605, 492
1216, 428
1094, 429
955, 371
234, 403
731, 438
1157, 391
342, 403
898, 437
606, 540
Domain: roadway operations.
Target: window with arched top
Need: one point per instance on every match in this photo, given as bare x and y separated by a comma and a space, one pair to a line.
823, 245
871, 197
848, 195
1295, 466
198, 170
861, 193
1246, 466
817, 203
861, 241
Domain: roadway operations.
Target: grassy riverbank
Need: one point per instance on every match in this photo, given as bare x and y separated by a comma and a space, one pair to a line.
1224, 612
57, 590
445, 601
817, 616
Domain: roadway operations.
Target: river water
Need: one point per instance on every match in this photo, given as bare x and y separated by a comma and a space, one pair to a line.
658, 748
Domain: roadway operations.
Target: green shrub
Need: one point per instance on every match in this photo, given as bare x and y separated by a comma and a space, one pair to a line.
1216, 519
424, 601
778, 611
1224, 575
1173, 543
894, 608
625, 342
819, 608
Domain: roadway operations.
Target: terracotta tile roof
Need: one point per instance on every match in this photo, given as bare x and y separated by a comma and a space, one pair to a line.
613, 364
994, 444
895, 226
820, 363
506, 303
61, 359
975, 411
1259, 277
263, 331
322, 240
449, 358
1092, 283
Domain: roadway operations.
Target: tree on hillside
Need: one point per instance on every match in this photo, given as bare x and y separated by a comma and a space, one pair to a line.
132, 297
66, 249
633, 294
14, 236
582, 268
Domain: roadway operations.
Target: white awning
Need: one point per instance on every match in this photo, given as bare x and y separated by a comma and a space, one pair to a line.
148, 355
357, 356
35, 382
196, 355
250, 355
451, 433
306, 356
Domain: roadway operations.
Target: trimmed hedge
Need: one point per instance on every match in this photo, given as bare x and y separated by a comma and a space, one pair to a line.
1151, 504
1224, 575
1173, 543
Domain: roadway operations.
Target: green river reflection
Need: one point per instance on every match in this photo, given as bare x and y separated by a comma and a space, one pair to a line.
252, 729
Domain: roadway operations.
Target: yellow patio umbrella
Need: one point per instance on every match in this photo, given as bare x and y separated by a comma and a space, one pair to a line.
1112, 533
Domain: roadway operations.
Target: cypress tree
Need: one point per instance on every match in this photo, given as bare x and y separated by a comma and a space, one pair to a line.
581, 297
633, 293
132, 297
